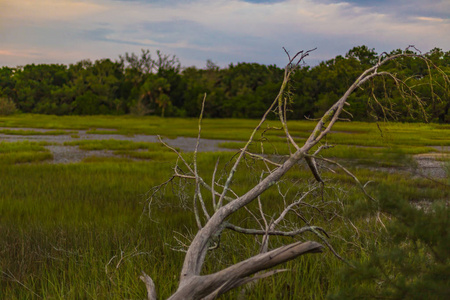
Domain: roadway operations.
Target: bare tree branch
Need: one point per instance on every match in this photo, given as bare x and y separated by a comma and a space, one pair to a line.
198, 287
150, 285
295, 203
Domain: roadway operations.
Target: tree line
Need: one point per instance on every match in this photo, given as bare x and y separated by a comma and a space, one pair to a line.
144, 84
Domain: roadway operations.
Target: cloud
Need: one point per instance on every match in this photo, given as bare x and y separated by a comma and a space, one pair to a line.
264, 1
48, 10
16, 53
222, 30
429, 19
403, 8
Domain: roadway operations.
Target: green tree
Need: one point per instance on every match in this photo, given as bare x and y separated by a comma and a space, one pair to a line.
242, 90
154, 93
7, 107
98, 84
366, 56
192, 94
7, 83
34, 85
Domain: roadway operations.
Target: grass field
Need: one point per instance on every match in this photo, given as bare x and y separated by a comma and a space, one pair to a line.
348, 133
85, 231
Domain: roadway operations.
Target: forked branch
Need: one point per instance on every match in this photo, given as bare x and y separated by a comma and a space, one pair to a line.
225, 202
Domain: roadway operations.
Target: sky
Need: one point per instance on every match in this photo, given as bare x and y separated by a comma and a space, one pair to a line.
223, 31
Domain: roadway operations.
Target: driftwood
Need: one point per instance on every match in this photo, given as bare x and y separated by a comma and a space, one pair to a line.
225, 201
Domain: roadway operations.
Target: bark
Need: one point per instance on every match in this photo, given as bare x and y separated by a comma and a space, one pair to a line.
151, 289
198, 287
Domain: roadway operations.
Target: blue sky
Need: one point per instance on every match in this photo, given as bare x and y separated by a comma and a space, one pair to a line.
225, 31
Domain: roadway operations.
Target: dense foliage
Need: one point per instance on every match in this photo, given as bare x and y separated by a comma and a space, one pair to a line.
410, 260
141, 84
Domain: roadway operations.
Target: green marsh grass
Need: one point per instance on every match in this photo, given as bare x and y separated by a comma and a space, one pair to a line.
80, 231
23, 152
34, 132
104, 159
166, 155
112, 144
126, 149
349, 133
84, 231
394, 156
60, 228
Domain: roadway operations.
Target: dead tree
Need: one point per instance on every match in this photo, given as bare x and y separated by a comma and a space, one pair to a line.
213, 218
